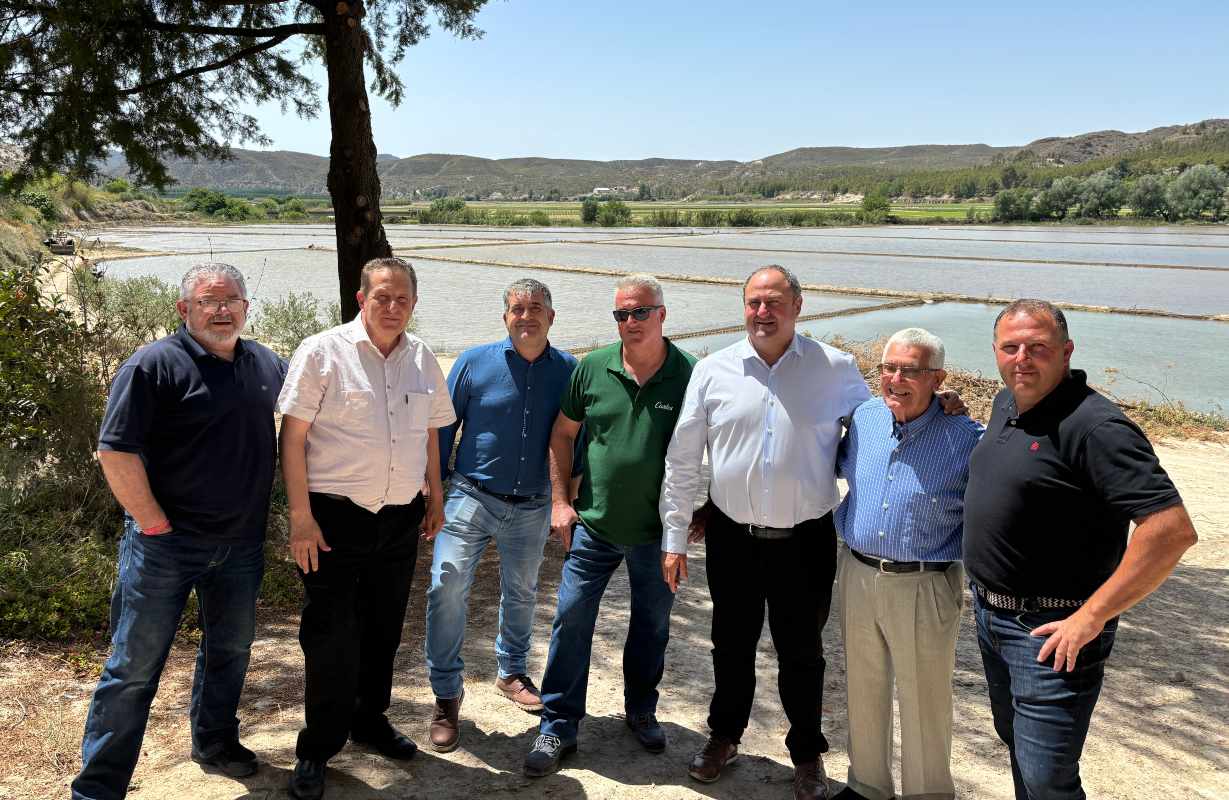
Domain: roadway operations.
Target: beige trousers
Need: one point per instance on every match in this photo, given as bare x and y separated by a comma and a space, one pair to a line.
902, 628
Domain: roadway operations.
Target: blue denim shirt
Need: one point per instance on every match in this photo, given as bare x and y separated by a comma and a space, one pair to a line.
506, 407
906, 483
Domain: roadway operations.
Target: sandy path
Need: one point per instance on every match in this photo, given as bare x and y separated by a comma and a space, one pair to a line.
1159, 730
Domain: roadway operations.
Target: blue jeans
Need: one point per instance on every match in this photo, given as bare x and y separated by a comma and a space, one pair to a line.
474, 517
1040, 714
586, 572
156, 573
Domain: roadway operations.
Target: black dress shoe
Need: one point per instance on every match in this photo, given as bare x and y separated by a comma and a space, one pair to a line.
386, 740
307, 780
648, 732
231, 759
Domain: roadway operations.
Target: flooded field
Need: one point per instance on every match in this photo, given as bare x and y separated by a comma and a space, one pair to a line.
1175, 270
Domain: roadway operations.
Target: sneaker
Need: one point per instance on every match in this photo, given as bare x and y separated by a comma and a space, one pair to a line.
810, 782
648, 732
521, 691
707, 764
545, 755
445, 724
232, 759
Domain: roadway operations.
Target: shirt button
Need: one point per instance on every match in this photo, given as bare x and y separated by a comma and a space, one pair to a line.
522, 458
891, 478
881, 533
885, 505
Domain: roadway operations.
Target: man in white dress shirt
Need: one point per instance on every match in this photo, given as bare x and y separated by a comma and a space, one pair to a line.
769, 411
362, 405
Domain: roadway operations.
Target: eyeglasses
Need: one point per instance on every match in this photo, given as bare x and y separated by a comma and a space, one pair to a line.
641, 314
908, 373
234, 305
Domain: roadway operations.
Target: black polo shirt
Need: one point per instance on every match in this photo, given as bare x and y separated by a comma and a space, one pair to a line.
204, 428
1052, 492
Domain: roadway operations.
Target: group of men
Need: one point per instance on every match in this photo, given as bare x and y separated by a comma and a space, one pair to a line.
1036, 507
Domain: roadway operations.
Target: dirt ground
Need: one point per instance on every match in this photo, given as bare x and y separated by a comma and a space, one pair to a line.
1159, 730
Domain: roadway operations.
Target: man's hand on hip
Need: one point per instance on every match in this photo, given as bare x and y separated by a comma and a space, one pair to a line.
306, 540
563, 519
674, 569
1067, 636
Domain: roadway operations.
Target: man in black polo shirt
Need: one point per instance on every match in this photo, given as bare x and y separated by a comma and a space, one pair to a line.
188, 449
1054, 484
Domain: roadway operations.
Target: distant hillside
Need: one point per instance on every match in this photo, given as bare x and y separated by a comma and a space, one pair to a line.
1059, 151
916, 170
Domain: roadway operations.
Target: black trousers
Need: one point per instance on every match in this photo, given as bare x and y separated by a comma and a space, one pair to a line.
352, 618
793, 578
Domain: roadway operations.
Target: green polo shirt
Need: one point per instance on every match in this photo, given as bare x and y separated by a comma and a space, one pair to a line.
627, 429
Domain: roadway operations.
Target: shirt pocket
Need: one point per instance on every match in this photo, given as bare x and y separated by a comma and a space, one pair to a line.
417, 413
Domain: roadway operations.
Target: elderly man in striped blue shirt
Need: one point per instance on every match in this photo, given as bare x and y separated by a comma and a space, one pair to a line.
901, 582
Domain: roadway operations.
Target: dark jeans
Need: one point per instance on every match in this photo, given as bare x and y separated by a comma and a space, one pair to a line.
156, 574
793, 577
1041, 715
586, 572
352, 618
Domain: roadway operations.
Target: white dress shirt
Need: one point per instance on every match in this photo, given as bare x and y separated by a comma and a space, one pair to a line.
771, 433
369, 414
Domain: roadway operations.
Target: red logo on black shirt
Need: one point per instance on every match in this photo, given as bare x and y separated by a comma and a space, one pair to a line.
1035, 446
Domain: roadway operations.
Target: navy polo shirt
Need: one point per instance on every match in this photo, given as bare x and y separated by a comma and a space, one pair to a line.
1052, 493
204, 428
506, 407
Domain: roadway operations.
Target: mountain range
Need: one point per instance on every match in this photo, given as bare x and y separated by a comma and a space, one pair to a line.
437, 174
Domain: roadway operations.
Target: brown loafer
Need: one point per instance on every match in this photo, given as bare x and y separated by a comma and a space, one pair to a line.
707, 764
521, 691
445, 724
810, 781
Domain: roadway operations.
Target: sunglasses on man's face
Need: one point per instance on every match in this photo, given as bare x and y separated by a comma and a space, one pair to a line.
641, 314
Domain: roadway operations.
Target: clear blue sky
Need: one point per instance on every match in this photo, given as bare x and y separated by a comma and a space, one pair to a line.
717, 80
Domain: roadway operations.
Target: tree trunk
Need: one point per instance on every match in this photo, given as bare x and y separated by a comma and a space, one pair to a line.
354, 185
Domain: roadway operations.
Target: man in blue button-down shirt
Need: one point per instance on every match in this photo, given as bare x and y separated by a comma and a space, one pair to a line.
901, 582
506, 395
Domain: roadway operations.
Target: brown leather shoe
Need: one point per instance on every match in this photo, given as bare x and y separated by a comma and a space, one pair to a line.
707, 764
445, 728
520, 690
810, 782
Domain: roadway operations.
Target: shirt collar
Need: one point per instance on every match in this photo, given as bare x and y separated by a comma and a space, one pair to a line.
668, 369
356, 333
509, 347
1072, 387
747, 350
903, 430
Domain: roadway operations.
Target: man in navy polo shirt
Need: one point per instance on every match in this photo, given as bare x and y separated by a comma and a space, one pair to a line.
188, 449
1054, 485
506, 397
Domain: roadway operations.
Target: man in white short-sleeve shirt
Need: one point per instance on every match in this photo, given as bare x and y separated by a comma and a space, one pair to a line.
362, 405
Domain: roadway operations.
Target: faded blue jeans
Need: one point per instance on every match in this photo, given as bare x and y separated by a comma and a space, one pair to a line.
586, 572
472, 519
1041, 715
156, 573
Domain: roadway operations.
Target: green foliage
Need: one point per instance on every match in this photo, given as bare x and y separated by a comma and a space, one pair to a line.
204, 201
117, 186
1147, 196
41, 203
744, 218
614, 213
1101, 195
1013, 204
588, 211
875, 203
539, 218
237, 210
284, 323
1198, 191
55, 581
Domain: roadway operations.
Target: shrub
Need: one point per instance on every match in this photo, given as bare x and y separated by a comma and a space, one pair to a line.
744, 218
708, 217
117, 186
539, 218
588, 211
41, 203
284, 323
1197, 191
204, 201
614, 213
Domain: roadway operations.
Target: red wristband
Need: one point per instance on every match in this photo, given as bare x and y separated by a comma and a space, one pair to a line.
162, 527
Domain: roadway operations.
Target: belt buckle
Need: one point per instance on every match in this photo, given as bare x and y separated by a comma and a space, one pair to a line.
882, 569
1029, 604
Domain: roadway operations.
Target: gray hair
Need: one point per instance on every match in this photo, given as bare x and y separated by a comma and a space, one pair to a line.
642, 280
391, 263
198, 272
528, 287
790, 278
1035, 308
919, 337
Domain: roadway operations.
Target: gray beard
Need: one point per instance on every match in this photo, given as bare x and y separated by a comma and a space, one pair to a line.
215, 337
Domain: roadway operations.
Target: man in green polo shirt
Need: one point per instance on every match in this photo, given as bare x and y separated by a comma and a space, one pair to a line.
628, 396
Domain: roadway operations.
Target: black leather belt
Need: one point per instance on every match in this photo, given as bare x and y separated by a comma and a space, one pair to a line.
896, 567
512, 499
759, 532
1007, 602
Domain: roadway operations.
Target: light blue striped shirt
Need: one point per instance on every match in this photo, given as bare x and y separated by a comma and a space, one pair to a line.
906, 483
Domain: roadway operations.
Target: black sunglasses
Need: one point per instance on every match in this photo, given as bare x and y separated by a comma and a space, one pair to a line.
641, 314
